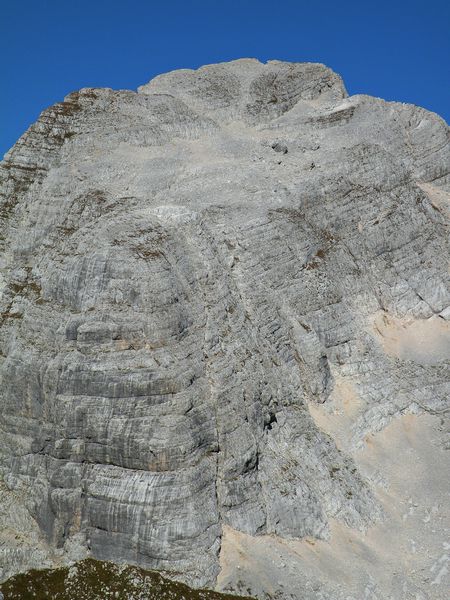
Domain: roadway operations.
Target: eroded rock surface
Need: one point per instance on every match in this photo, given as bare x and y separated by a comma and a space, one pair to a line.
188, 274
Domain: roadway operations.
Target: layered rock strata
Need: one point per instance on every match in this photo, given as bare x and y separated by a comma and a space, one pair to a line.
186, 273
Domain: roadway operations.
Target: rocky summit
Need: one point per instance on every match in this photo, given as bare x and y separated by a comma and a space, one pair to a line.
225, 337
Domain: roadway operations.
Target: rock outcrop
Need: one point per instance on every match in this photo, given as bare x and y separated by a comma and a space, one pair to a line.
188, 275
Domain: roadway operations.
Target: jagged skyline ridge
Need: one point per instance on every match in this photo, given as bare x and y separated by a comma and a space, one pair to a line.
54, 48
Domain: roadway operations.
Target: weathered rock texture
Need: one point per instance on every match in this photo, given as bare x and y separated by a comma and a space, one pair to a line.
186, 272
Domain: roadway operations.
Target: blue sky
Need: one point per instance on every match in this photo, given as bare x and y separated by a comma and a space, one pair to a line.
397, 50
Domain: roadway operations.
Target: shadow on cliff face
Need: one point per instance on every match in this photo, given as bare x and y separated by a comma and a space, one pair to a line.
95, 580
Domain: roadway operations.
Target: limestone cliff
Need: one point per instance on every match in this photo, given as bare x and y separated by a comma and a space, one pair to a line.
192, 278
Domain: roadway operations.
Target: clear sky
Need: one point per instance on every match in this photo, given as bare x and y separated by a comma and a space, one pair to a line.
394, 49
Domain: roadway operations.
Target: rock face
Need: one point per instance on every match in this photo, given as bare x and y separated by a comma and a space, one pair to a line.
188, 274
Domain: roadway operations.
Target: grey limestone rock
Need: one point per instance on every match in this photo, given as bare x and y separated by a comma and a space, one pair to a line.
186, 274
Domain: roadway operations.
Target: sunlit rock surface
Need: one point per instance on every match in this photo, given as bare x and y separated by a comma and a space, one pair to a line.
213, 292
